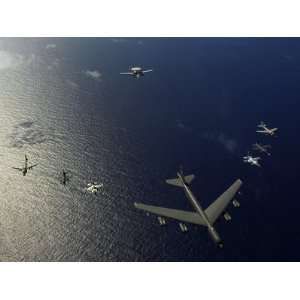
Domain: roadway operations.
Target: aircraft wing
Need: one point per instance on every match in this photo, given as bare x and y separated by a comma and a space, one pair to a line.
218, 206
261, 131
20, 169
147, 71
126, 73
180, 215
30, 167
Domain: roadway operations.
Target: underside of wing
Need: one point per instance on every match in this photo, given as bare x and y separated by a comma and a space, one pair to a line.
19, 169
30, 167
126, 73
219, 205
146, 71
261, 131
180, 215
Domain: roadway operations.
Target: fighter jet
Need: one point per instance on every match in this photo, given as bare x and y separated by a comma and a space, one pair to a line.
266, 130
207, 217
65, 177
252, 160
93, 188
137, 72
262, 148
26, 167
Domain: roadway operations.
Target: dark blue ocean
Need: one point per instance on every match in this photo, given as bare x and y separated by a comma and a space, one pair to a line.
64, 104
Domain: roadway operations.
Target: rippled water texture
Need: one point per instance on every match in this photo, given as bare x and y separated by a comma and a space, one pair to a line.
64, 104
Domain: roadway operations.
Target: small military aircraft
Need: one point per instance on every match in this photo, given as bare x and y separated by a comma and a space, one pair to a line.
25, 169
137, 72
93, 188
266, 130
65, 177
262, 148
207, 217
252, 160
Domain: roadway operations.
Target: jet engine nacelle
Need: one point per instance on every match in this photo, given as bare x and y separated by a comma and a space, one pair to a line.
227, 216
236, 203
183, 227
161, 221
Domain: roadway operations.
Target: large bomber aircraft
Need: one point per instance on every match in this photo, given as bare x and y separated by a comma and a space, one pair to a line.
207, 217
137, 72
266, 130
25, 169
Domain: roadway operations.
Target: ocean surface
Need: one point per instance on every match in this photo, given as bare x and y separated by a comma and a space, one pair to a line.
65, 105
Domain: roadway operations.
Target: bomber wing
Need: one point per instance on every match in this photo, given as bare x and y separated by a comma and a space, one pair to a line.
218, 206
126, 73
147, 71
180, 215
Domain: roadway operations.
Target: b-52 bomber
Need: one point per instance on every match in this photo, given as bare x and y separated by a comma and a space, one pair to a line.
25, 169
252, 160
136, 72
207, 217
266, 130
262, 148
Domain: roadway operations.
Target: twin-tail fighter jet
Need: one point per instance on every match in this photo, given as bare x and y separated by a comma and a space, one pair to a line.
199, 216
93, 188
136, 72
252, 160
26, 168
266, 130
262, 148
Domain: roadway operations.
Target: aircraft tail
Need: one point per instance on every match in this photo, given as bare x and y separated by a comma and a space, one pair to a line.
177, 182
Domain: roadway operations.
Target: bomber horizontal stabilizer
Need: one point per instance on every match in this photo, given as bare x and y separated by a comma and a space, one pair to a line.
177, 182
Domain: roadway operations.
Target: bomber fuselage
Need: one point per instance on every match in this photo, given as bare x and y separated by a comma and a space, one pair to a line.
196, 205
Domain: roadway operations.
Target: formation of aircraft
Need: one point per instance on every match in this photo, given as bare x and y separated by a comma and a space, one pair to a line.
26, 168
266, 130
92, 188
252, 160
262, 148
198, 216
136, 72
259, 147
